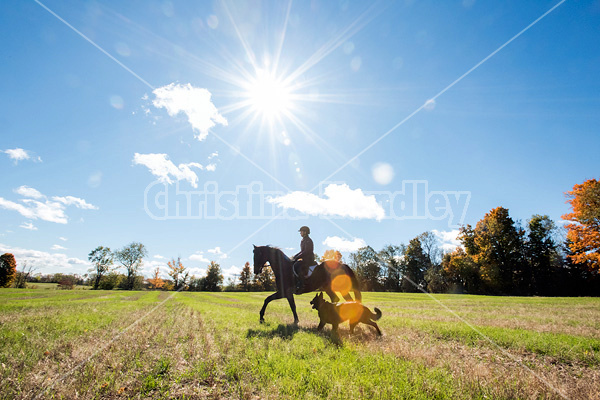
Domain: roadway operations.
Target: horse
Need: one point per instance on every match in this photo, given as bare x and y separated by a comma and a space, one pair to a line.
329, 276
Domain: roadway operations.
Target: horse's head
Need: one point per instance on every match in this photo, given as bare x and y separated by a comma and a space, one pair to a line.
260, 258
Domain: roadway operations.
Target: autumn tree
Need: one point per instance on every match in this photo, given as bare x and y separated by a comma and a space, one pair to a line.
214, 278
131, 258
584, 230
265, 281
496, 245
178, 273
156, 282
8, 269
331, 255
102, 258
460, 272
246, 278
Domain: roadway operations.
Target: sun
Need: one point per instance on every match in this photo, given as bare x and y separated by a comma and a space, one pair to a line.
269, 95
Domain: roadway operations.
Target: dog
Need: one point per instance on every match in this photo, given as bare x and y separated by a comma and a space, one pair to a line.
351, 311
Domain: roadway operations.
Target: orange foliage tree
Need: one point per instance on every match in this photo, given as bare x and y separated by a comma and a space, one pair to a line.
584, 232
178, 273
156, 281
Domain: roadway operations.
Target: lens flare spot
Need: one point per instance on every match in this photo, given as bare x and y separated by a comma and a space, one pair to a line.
341, 283
351, 311
116, 102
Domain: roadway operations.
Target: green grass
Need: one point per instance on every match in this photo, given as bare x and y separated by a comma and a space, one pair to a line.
211, 345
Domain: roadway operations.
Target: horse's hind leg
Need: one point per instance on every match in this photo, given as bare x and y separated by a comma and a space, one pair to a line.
270, 298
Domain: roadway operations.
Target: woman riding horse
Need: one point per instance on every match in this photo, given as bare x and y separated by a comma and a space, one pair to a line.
329, 276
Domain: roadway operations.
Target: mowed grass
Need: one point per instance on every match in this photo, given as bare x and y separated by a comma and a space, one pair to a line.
117, 344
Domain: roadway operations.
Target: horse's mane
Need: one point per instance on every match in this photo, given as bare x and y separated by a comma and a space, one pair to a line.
278, 248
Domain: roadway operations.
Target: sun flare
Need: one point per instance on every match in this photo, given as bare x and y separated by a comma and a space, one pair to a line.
268, 95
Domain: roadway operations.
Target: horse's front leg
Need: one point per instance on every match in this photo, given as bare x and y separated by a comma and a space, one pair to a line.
290, 297
334, 298
274, 296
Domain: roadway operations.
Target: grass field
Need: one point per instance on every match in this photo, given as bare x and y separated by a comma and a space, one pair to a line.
93, 344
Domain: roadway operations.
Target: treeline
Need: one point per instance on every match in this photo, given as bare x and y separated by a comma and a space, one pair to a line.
497, 256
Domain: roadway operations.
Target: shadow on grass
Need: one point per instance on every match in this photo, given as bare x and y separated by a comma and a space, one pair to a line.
288, 331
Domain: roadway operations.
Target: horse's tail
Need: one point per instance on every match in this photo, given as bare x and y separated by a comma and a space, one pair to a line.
355, 284
377, 314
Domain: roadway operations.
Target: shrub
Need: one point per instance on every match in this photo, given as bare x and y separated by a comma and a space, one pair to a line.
8, 269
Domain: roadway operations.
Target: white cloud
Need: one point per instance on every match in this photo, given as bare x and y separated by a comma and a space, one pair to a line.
449, 239
231, 272
158, 256
213, 155
27, 191
194, 102
199, 256
48, 210
160, 166
340, 244
44, 262
58, 247
20, 155
64, 239
340, 201
75, 201
217, 251
28, 225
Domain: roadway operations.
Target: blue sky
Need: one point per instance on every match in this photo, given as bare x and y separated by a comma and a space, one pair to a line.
115, 117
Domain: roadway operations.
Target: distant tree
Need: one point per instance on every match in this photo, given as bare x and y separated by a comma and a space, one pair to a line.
195, 284
178, 273
131, 257
214, 278
541, 253
246, 278
365, 261
23, 276
265, 281
414, 265
231, 285
584, 231
156, 282
8, 269
102, 258
391, 259
461, 272
331, 255
497, 246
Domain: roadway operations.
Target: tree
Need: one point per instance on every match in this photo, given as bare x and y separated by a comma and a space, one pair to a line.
22, 276
8, 269
367, 265
246, 278
214, 278
131, 257
265, 281
178, 273
584, 231
331, 255
102, 258
413, 266
156, 282
391, 259
461, 272
541, 253
496, 245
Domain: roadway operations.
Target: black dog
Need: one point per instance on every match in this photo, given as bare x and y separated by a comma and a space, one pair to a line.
335, 314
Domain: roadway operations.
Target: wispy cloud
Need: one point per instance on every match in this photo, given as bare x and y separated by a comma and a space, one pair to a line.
217, 252
194, 102
19, 154
52, 210
64, 239
43, 261
28, 225
449, 239
58, 247
199, 256
163, 168
339, 200
340, 244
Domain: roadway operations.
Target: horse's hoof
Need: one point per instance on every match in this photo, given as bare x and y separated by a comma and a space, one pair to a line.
262, 321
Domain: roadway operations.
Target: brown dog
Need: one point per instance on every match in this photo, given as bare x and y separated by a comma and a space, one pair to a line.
352, 311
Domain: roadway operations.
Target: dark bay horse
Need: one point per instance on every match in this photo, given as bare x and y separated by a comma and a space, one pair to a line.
329, 276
